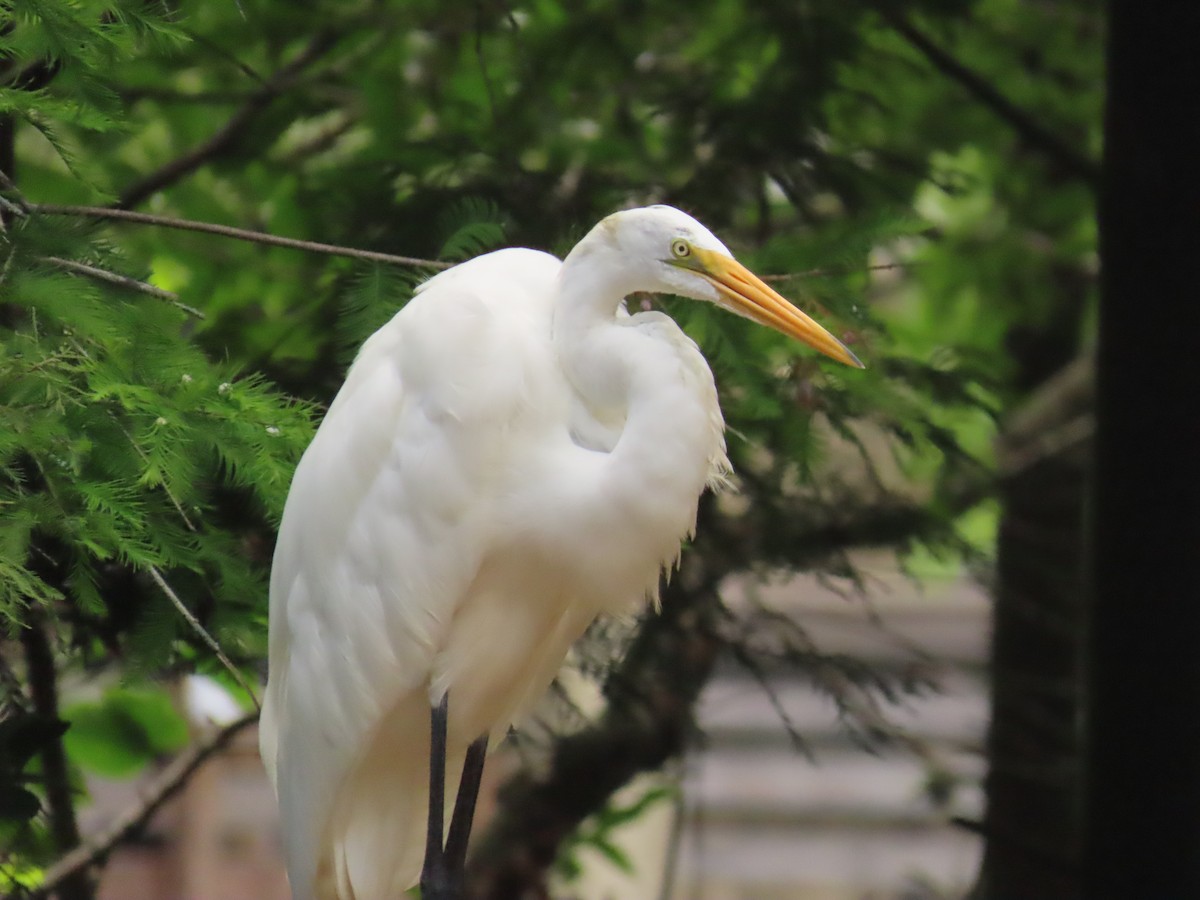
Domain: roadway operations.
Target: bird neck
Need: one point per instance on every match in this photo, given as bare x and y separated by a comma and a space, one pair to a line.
592, 348
645, 375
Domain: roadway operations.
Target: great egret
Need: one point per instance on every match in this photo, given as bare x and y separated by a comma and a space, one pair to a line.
511, 456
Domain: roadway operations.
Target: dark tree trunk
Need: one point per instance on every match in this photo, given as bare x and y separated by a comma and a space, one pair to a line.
1142, 803
1031, 825
56, 776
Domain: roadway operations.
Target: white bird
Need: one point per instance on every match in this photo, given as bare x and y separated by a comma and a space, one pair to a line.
510, 456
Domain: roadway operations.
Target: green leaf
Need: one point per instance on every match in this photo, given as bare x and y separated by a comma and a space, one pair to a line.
612, 853
472, 227
126, 730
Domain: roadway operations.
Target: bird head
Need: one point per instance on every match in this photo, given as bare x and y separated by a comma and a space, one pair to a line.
673, 253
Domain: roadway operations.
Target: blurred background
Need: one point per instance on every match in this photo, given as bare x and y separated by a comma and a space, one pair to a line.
869, 663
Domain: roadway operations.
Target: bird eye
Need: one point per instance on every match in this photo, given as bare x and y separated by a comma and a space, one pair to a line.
680, 248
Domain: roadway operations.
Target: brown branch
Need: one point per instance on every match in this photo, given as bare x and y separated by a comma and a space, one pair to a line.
982, 90
202, 632
226, 137
168, 783
56, 777
123, 281
241, 234
841, 270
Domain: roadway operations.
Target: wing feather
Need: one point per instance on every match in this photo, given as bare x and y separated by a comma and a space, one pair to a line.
384, 533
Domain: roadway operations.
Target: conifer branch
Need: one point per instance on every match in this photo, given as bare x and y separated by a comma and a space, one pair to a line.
124, 281
241, 234
169, 782
166, 488
203, 633
226, 137
986, 93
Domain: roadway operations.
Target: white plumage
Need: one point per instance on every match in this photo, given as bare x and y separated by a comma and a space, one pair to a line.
509, 457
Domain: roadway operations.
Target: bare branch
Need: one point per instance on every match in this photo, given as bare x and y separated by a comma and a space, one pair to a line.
1056, 421
825, 273
168, 783
17, 205
227, 136
241, 234
204, 635
982, 90
261, 237
124, 281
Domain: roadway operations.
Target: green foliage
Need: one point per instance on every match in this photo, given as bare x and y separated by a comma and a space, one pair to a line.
128, 446
598, 833
123, 438
810, 136
369, 300
127, 729
22, 737
474, 227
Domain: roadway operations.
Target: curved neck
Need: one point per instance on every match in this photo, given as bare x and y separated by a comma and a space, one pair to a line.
647, 378
591, 287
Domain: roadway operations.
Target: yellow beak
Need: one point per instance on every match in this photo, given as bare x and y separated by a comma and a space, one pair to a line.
749, 295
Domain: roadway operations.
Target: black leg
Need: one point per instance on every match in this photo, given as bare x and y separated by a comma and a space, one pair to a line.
435, 883
464, 809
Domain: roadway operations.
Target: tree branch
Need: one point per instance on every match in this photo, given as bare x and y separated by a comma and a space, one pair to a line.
168, 783
1058, 419
200, 630
227, 136
56, 778
833, 272
241, 234
123, 281
982, 90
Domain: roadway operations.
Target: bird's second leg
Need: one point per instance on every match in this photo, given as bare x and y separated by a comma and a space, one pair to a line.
436, 882
443, 876
464, 809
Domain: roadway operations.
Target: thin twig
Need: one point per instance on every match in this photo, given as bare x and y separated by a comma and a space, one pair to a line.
124, 281
241, 234
261, 237
204, 635
982, 90
842, 270
226, 137
9, 185
166, 488
8, 162
9, 206
742, 654
169, 782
